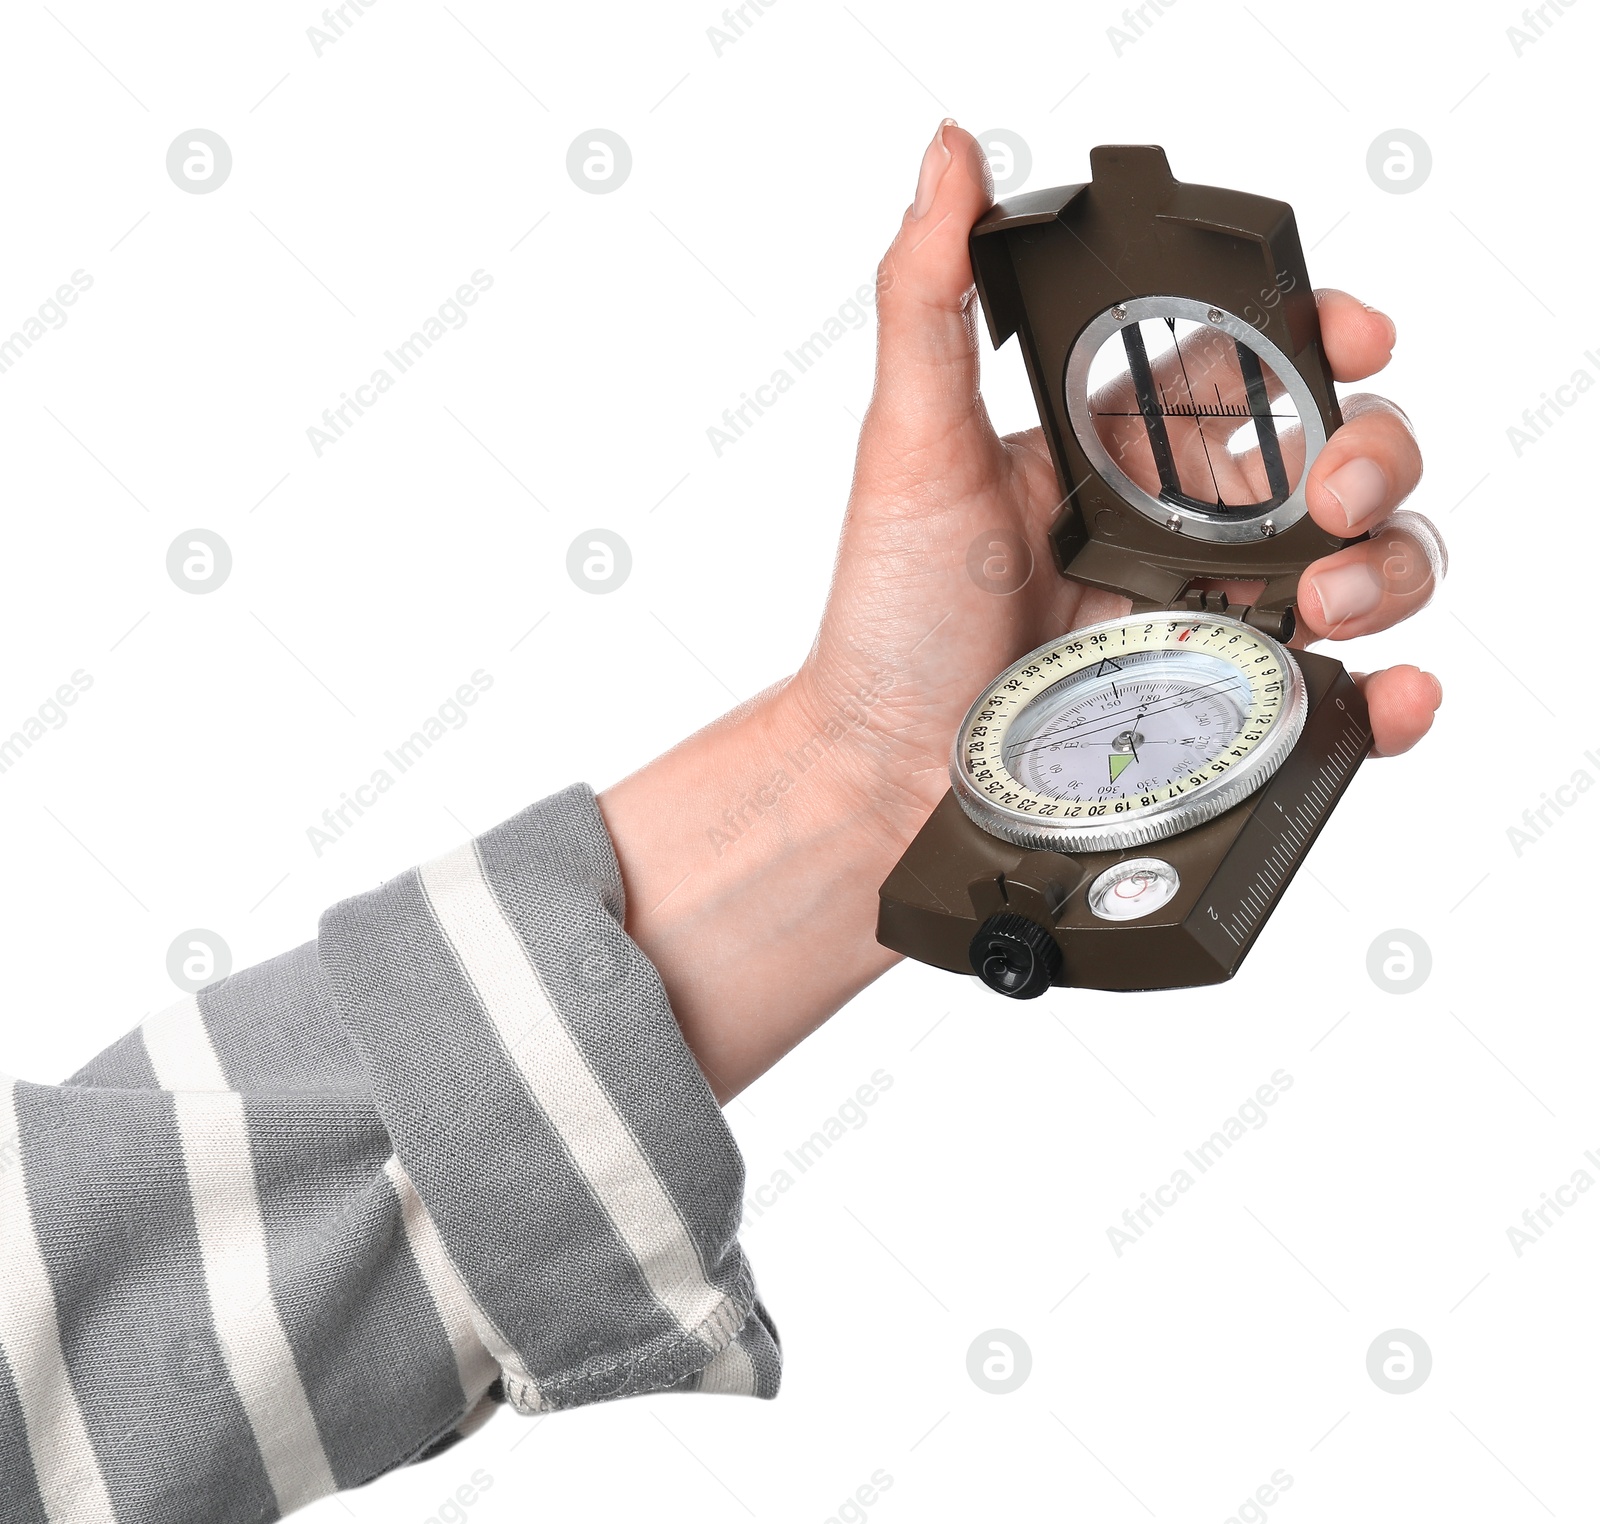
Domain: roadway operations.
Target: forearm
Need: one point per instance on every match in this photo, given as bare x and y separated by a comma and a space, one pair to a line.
309, 1222
751, 855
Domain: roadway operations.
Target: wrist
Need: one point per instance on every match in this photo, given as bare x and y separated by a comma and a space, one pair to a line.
866, 747
751, 857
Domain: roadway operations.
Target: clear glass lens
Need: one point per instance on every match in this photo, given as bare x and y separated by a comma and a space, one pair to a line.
1196, 418
1129, 727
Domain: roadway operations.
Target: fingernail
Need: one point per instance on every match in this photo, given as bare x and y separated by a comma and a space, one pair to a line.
1359, 487
934, 163
1347, 592
1438, 689
1393, 332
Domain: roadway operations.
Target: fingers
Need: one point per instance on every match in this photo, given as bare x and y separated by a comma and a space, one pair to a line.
1357, 339
1371, 586
1372, 464
1366, 470
926, 389
1401, 702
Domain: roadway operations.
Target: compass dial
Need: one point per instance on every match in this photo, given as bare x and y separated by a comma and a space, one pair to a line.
1127, 732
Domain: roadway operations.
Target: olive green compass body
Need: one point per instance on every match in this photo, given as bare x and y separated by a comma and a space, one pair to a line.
1129, 801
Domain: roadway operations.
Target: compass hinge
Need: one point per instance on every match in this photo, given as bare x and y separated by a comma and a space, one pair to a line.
1278, 623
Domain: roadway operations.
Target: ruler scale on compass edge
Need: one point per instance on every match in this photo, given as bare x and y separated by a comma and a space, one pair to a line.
1130, 801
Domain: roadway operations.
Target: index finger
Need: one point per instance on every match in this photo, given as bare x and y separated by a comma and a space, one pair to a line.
1357, 339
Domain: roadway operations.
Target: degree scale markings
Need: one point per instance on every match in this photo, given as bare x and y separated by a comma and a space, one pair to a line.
1198, 691
1024, 695
1242, 705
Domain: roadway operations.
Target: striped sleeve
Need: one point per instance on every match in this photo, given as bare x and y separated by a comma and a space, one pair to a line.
317, 1221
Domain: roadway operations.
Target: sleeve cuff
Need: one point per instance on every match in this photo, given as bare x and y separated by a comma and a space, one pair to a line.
540, 1098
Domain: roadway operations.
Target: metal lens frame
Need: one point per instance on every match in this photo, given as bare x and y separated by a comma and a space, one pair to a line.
1179, 518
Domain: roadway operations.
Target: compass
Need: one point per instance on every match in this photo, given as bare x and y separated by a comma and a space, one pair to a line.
1129, 802
1127, 732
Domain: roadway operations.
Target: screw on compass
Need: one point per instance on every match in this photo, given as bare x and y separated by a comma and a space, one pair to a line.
1015, 956
1124, 749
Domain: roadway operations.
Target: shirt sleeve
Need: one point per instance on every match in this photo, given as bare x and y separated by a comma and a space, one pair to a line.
318, 1220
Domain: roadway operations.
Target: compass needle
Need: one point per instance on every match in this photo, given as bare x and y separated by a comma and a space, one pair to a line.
1208, 727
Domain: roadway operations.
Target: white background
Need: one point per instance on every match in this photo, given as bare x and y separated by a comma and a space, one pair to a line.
371, 181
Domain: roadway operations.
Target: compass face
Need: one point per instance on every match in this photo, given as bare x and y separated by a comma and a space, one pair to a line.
1127, 732
1194, 417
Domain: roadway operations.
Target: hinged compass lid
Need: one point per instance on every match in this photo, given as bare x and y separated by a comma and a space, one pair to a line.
1170, 332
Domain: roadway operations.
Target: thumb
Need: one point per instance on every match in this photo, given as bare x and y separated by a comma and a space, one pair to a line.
925, 394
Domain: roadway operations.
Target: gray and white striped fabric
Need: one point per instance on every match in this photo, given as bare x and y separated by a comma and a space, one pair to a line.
314, 1222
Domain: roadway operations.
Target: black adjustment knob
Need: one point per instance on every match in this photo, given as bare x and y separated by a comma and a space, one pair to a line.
1015, 956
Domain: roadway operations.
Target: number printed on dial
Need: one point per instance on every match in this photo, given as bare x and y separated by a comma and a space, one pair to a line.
1129, 719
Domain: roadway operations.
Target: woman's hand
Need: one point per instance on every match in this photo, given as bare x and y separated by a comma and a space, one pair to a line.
752, 852
937, 491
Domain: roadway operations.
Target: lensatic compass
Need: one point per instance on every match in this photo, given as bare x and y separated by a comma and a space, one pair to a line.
1129, 802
